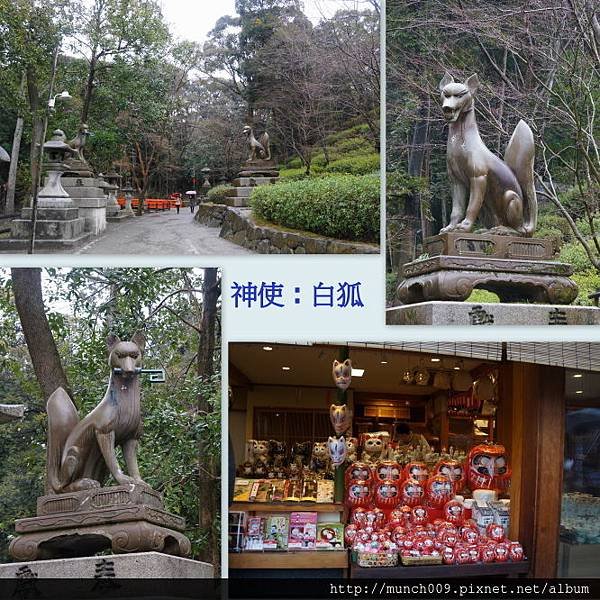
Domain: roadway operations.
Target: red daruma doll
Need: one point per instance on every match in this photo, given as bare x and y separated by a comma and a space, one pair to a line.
387, 470
358, 494
488, 468
453, 470
416, 470
386, 494
454, 512
411, 493
358, 471
438, 491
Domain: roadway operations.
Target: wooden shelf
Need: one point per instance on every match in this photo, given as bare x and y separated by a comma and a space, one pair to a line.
286, 507
437, 571
311, 559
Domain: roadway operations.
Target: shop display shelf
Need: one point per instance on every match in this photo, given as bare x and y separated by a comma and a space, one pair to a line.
287, 507
441, 571
309, 559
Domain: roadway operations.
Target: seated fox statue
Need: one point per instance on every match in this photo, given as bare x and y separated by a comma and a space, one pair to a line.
81, 452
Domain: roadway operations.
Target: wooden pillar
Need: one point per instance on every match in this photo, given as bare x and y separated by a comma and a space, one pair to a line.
531, 426
341, 398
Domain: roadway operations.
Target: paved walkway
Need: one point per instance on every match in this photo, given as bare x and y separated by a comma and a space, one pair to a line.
161, 233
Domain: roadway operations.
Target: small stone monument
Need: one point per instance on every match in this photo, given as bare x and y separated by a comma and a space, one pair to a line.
127, 211
259, 169
58, 221
82, 185
80, 515
11, 412
502, 256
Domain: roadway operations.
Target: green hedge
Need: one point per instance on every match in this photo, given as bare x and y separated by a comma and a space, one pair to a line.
355, 165
218, 193
340, 206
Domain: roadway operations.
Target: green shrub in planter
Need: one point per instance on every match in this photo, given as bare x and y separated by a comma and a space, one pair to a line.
355, 165
340, 206
218, 194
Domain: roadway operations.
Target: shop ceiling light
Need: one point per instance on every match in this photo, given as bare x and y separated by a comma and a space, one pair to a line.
384, 362
286, 368
267, 348
579, 392
358, 372
435, 359
578, 376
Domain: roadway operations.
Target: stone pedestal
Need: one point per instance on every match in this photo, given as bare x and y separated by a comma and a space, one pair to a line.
137, 565
516, 269
89, 199
121, 518
253, 173
467, 313
11, 412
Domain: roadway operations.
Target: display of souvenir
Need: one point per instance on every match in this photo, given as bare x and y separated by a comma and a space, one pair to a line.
278, 490
453, 469
515, 551
337, 451
342, 374
255, 534
325, 491
373, 445
303, 531
237, 525
412, 492
254, 490
309, 490
416, 470
483, 515
341, 418
260, 469
487, 468
319, 461
352, 449
293, 490
495, 532
438, 491
358, 493
330, 536
300, 455
386, 494
276, 532
350, 532
358, 471
241, 490
277, 457
388, 470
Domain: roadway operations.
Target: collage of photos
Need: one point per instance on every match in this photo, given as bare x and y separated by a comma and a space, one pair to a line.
179, 420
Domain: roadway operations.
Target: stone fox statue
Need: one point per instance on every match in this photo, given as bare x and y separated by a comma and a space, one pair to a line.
260, 147
81, 453
500, 192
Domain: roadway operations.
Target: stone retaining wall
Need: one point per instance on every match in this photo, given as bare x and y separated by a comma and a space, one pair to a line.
211, 215
239, 227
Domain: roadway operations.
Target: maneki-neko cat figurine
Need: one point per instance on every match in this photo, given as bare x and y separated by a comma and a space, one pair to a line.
487, 468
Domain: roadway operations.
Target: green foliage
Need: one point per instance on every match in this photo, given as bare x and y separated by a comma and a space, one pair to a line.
218, 193
482, 297
342, 206
588, 282
293, 174
574, 254
357, 165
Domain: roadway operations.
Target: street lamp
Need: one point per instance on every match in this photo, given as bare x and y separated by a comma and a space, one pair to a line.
64, 95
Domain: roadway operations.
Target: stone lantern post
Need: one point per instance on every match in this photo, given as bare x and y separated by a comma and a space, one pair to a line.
113, 210
128, 210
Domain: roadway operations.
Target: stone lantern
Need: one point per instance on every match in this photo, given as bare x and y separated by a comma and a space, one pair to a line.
53, 195
111, 186
128, 210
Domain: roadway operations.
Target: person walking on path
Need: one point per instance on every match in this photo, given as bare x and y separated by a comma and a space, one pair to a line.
192, 204
178, 204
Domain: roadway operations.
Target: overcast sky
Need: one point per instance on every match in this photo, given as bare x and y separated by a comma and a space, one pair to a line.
193, 19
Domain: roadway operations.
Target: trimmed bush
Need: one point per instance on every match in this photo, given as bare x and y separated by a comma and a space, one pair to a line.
218, 193
588, 282
342, 206
355, 165
292, 174
574, 254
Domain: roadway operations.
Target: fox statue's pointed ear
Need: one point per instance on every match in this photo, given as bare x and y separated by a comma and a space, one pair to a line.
112, 339
139, 339
472, 83
446, 79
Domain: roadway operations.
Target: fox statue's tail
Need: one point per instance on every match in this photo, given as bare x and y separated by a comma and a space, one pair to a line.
62, 419
520, 157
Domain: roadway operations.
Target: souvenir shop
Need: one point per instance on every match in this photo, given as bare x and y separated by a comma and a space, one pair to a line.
414, 460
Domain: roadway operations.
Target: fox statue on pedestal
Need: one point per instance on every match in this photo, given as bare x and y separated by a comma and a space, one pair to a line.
81, 452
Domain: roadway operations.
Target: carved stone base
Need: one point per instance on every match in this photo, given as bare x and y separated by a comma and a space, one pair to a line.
121, 518
259, 167
467, 313
455, 278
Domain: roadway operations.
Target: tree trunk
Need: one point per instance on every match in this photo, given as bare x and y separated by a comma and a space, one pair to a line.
37, 127
209, 465
14, 156
89, 89
27, 288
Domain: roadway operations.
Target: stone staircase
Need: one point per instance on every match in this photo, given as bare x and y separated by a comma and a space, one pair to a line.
242, 188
